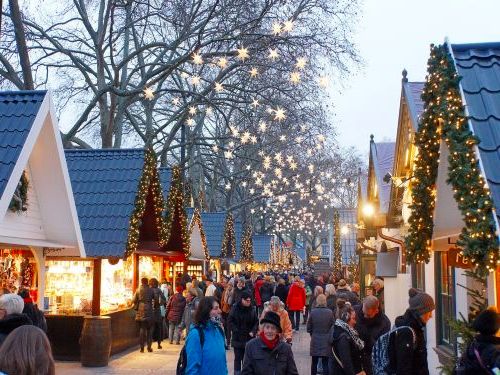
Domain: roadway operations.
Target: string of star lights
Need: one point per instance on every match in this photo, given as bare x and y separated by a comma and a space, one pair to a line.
444, 119
148, 184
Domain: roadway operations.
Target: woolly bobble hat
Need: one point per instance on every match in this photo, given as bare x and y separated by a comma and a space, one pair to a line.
487, 322
420, 302
342, 284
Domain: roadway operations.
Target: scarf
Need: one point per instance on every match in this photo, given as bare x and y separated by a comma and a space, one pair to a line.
271, 344
217, 321
352, 333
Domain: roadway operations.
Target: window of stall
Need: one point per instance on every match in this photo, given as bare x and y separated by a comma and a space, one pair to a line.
116, 284
18, 271
150, 267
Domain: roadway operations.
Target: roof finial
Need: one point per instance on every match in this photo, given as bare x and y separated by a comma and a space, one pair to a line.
405, 76
371, 138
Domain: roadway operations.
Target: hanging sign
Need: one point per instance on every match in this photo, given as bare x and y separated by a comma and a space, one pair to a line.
456, 259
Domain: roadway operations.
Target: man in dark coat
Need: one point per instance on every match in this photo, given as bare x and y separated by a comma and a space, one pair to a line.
266, 290
410, 359
175, 309
244, 323
11, 316
371, 323
344, 293
143, 304
320, 322
281, 290
240, 288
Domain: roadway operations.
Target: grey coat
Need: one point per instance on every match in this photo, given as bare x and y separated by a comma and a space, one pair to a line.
187, 315
143, 302
318, 325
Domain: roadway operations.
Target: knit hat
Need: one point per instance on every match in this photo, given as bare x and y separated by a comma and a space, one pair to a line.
342, 284
245, 295
179, 288
272, 318
487, 322
420, 302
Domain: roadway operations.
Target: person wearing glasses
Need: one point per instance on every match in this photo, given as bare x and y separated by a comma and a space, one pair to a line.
244, 324
205, 350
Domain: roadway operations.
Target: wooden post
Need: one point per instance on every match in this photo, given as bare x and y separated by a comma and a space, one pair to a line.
135, 277
96, 288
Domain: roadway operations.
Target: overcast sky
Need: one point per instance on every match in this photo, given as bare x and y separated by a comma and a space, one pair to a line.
396, 34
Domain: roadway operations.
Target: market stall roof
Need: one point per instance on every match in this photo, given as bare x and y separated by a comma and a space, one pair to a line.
479, 66
105, 183
30, 143
382, 159
262, 247
165, 180
412, 92
213, 223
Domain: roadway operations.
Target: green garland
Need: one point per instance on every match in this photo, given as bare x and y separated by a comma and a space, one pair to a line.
175, 209
247, 246
150, 181
444, 119
337, 245
229, 240
22, 191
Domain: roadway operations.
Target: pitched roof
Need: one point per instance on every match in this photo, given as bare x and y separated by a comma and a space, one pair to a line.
105, 184
413, 92
165, 180
262, 247
213, 223
18, 110
479, 67
382, 154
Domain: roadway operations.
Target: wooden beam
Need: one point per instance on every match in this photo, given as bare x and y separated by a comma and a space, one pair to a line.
96, 288
135, 280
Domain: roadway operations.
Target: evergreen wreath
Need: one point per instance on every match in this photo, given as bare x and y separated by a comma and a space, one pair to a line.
19, 201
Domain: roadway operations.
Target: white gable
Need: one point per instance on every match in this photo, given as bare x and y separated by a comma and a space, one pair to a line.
196, 243
51, 219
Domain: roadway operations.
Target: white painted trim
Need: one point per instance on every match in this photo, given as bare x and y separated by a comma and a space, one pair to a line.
32, 242
445, 237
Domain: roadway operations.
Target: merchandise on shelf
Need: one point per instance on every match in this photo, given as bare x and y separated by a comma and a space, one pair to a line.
195, 269
116, 285
178, 267
18, 270
150, 267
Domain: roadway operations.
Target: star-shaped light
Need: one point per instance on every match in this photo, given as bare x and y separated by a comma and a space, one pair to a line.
276, 28
254, 72
148, 93
190, 122
288, 26
222, 62
197, 59
192, 110
298, 139
195, 80
176, 101
323, 81
184, 75
209, 110
273, 54
255, 103
262, 126
245, 137
293, 165
279, 114
253, 139
218, 87
301, 63
295, 77
282, 138
228, 154
242, 53
321, 138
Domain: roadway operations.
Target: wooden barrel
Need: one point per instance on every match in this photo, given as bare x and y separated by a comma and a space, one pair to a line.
95, 341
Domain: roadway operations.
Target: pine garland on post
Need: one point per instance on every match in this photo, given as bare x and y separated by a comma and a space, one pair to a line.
337, 245
247, 246
444, 119
229, 240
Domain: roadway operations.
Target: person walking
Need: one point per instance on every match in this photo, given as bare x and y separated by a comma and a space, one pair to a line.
410, 358
296, 302
346, 343
266, 290
211, 288
244, 322
331, 298
27, 351
175, 310
320, 322
159, 300
206, 354
275, 305
240, 288
226, 303
259, 281
281, 290
309, 292
344, 293
192, 302
143, 304
317, 291
371, 323
267, 354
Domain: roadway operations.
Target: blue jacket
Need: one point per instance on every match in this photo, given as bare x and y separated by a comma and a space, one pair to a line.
212, 359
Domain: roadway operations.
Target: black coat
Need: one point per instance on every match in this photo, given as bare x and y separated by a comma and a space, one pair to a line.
347, 351
488, 348
410, 359
266, 292
369, 331
242, 321
319, 323
348, 296
237, 294
331, 303
281, 292
11, 322
260, 360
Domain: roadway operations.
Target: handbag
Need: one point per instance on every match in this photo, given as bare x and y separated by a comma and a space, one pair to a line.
337, 359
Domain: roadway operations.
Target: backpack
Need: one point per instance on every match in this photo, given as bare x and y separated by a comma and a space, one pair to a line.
182, 361
381, 351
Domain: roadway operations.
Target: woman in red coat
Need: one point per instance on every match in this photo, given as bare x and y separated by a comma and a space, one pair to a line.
296, 301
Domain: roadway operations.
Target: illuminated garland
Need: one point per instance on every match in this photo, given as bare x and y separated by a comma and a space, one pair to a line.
247, 246
175, 209
229, 240
197, 220
337, 246
444, 119
150, 182
19, 201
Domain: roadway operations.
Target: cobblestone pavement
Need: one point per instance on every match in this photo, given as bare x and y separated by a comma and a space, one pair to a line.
164, 361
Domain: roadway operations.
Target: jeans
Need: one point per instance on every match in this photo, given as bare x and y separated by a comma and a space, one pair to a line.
306, 313
158, 331
239, 353
173, 330
295, 319
145, 333
227, 329
314, 365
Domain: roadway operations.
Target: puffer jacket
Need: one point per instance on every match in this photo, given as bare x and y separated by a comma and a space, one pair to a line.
296, 299
318, 326
285, 322
260, 360
143, 300
175, 308
11, 322
408, 359
243, 321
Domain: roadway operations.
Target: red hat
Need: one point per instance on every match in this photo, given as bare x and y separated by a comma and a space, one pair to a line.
179, 288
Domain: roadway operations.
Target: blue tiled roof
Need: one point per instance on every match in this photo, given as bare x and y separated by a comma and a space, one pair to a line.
383, 161
18, 110
213, 223
165, 180
301, 252
479, 67
413, 92
262, 247
105, 184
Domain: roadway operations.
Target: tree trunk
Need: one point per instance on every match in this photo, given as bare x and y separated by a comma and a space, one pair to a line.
22, 49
